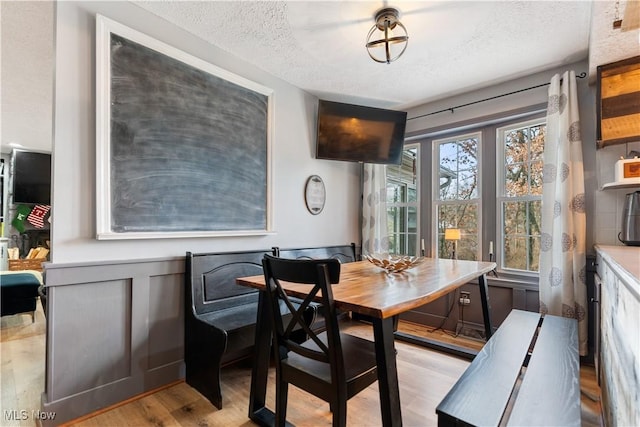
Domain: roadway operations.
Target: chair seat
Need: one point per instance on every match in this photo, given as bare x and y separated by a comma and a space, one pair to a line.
359, 364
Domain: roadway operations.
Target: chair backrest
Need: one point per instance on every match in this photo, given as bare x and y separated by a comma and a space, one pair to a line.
320, 273
211, 280
343, 253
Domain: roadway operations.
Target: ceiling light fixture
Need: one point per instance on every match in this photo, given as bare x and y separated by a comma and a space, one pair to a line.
388, 39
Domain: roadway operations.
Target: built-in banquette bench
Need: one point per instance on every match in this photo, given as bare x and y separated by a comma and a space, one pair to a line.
527, 374
220, 316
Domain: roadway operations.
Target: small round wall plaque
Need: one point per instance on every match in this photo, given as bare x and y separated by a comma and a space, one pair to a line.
314, 194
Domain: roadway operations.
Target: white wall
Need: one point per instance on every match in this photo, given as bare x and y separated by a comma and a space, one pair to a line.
73, 216
609, 204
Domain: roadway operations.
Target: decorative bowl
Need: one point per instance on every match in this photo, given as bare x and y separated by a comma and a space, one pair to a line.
393, 263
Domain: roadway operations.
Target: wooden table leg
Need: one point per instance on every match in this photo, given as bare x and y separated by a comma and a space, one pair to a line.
387, 372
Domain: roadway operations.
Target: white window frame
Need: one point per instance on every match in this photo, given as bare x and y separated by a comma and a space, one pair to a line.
501, 194
435, 188
415, 204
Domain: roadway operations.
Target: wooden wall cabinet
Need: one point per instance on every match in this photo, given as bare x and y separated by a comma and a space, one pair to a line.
618, 102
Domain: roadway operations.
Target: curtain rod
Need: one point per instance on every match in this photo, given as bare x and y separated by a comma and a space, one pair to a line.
580, 76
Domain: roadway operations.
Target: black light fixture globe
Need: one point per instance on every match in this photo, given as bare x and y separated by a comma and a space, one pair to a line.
387, 39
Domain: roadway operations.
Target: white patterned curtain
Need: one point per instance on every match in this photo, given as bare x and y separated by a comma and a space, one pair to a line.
563, 290
375, 236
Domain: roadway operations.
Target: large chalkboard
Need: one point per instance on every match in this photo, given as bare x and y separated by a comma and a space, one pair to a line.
187, 148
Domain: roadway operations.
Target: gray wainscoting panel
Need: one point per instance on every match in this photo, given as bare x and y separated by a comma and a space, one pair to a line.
114, 330
502, 299
520, 299
166, 320
96, 327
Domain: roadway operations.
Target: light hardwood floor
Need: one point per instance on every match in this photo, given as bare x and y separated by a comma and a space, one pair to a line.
425, 377
22, 353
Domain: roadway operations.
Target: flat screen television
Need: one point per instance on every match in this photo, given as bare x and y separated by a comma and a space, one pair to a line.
31, 177
357, 133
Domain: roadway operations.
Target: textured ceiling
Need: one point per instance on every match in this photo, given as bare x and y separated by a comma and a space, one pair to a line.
319, 46
454, 46
26, 74
607, 44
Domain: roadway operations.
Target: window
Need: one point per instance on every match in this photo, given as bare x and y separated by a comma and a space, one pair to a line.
484, 180
520, 150
402, 203
457, 195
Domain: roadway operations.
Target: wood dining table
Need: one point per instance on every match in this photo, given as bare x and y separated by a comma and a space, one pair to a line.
368, 290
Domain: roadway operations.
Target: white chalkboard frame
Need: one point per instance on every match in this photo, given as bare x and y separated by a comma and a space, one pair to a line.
105, 27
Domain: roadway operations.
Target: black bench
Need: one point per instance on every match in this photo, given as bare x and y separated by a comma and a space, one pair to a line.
527, 374
220, 316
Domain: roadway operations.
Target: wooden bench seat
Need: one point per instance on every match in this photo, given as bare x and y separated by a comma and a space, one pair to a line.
527, 374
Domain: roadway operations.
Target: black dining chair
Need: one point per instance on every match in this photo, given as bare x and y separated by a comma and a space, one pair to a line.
332, 365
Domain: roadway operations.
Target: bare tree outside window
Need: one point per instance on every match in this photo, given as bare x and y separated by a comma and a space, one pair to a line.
402, 204
457, 203
486, 182
522, 147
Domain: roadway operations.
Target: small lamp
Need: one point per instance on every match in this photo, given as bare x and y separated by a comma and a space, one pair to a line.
454, 235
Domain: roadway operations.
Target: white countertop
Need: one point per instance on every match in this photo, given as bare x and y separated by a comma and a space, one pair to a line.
625, 258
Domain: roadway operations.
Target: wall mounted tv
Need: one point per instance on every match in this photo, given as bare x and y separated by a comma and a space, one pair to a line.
359, 134
31, 177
